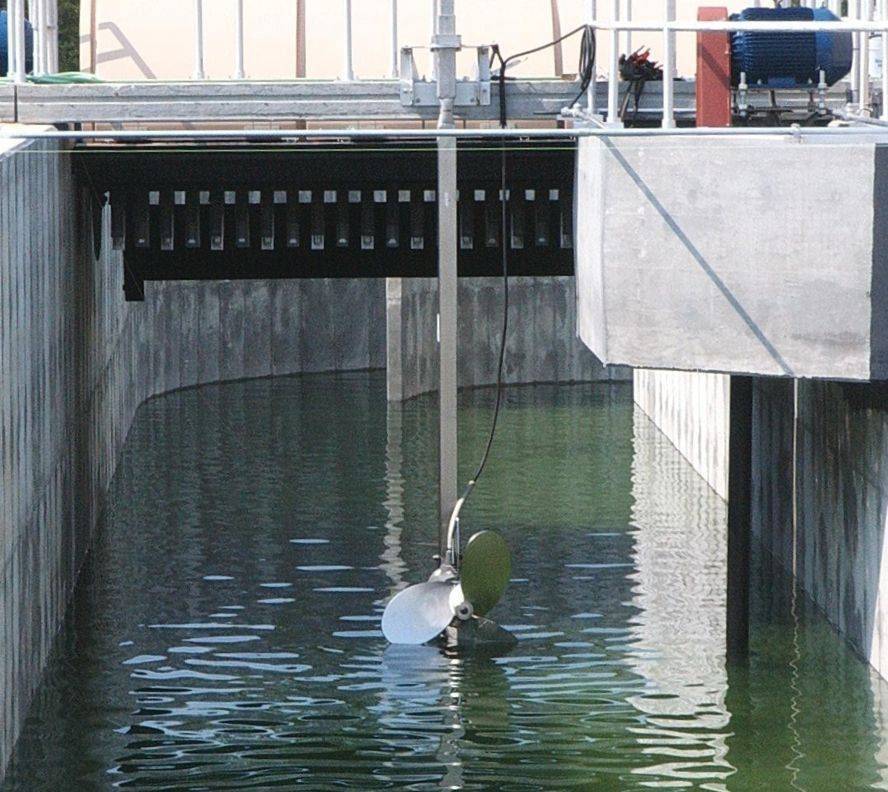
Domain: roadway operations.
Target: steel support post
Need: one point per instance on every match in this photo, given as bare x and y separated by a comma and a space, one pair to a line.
739, 517
445, 44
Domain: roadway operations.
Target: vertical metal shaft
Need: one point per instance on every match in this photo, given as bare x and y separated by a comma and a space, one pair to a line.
445, 44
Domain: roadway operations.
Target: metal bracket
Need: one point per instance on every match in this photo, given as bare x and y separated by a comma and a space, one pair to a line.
471, 91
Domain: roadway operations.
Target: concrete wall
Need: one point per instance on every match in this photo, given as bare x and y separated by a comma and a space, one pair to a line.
542, 342
692, 410
75, 363
826, 522
841, 447
691, 255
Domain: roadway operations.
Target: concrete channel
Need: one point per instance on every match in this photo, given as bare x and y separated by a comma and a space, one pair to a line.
77, 360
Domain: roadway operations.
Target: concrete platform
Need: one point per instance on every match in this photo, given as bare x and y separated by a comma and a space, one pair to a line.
250, 101
763, 255
7, 102
150, 102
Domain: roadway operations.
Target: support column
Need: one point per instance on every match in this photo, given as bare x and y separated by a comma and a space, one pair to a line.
447, 316
445, 44
739, 517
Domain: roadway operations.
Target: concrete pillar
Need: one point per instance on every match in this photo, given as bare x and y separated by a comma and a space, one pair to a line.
739, 517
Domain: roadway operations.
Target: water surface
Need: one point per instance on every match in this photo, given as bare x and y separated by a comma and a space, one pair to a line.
225, 634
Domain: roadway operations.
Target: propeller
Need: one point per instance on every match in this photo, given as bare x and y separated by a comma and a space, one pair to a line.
420, 613
484, 572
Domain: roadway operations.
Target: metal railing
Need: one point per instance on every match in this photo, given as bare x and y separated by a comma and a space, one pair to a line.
348, 72
860, 27
43, 16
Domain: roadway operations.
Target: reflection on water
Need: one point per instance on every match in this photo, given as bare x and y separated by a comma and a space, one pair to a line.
226, 632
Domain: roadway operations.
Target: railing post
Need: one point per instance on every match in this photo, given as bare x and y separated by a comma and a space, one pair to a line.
613, 82
11, 43
628, 32
20, 72
866, 16
591, 18
348, 66
394, 38
239, 73
884, 40
35, 17
669, 68
199, 73
54, 48
434, 69
854, 15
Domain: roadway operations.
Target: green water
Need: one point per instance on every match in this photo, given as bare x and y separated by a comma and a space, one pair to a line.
225, 633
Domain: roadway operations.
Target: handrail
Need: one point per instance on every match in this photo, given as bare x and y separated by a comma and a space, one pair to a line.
43, 15
670, 26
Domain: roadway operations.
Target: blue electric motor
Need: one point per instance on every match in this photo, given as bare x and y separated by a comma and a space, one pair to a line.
789, 60
4, 45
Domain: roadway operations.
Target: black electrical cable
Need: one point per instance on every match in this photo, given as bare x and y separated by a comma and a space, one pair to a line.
585, 68
502, 352
586, 72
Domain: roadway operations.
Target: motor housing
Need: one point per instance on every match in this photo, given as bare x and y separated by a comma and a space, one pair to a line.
786, 60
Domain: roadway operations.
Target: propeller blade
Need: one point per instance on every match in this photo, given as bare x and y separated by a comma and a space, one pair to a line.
418, 613
485, 570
